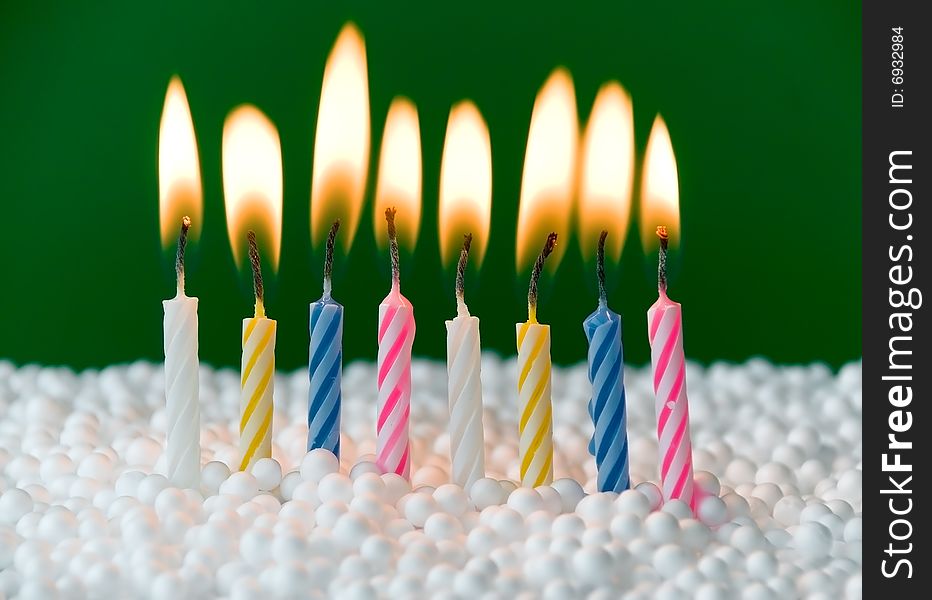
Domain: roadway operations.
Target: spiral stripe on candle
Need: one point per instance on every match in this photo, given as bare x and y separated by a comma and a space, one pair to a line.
325, 371
182, 447
666, 340
258, 369
396, 336
607, 407
467, 452
535, 427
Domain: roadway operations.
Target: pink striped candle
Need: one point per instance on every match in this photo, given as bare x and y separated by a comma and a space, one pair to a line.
396, 336
665, 331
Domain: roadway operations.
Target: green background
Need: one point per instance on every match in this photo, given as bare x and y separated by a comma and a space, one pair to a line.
762, 100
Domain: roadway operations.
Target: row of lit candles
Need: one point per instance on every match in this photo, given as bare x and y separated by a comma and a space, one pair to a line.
252, 182
568, 178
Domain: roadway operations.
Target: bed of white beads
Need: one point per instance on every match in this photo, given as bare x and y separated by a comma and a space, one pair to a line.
84, 511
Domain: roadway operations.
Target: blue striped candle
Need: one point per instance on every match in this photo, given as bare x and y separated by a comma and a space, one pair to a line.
326, 364
609, 442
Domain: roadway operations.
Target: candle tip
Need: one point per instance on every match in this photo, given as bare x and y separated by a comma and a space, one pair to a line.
256, 271
549, 245
179, 256
600, 267
461, 276
662, 259
393, 245
328, 256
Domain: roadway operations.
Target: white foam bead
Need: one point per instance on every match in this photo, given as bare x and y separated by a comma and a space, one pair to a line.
852, 532
748, 539
568, 524
486, 492
289, 483
571, 493
268, 473
318, 463
419, 507
368, 483
662, 528
396, 487
429, 475
597, 509
14, 503
326, 514
812, 540
256, 546
525, 501
369, 506
670, 559
508, 523
335, 486
694, 534
213, 474
364, 468
633, 502
240, 484
379, 550
452, 499
351, 529
651, 492
707, 482
306, 491
813, 512
678, 509
625, 527
543, 568
593, 565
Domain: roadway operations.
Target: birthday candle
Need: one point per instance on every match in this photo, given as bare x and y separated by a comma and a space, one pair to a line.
665, 331
464, 386
609, 442
326, 363
258, 374
183, 443
396, 336
535, 410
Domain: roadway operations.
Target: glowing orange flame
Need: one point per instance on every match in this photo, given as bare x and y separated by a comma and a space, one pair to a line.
341, 144
252, 182
180, 192
607, 172
465, 184
660, 193
548, 182
399, 181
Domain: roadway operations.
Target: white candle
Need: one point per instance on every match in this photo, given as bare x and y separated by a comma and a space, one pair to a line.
464, 385
183, 443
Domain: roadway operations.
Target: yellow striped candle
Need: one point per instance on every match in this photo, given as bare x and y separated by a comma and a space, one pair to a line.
257, 375
535, 408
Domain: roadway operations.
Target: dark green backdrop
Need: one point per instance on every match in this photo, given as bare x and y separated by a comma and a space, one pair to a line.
762, 100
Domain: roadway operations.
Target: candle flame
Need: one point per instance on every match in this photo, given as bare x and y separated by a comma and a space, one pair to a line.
252, 182
660, 195
341, 143
607, 173
180, 192
399, 180
465, 184
548, 182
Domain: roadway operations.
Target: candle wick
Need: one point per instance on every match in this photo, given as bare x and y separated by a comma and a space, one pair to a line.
393, 248
662, 259
179, 257
600, 269
535, 276
328, 258
256, 273
461, 309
